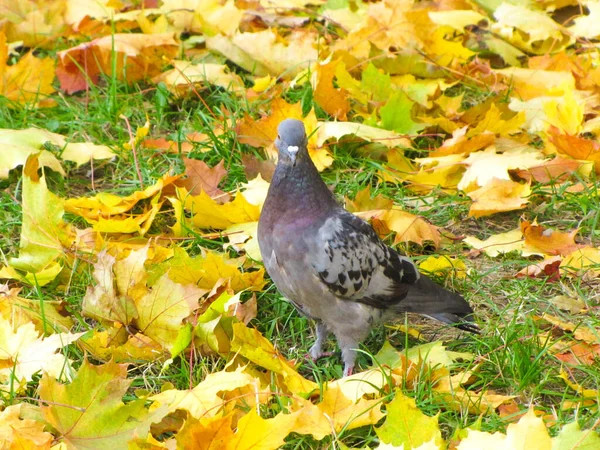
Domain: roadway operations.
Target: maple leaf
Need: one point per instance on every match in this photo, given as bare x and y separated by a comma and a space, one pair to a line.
29, 81
89, 412
185, 76
407, 226
137, 56
23, 353
582, 261
406, 425
212, 433
21, 311
550, 242
489, 164
17, 432
44, 234
20, 144
529, 432
333, 100
529, 30
205, 399
502, 243
256, 348
163, 309
255, 433
268, 53
499, 196
442, 265
201, 177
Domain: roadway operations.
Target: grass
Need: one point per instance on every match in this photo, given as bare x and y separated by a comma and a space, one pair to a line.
511, 351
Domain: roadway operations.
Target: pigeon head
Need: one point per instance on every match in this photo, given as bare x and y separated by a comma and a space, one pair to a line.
291, 142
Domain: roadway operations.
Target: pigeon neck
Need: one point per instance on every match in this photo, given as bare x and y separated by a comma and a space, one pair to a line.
302, 187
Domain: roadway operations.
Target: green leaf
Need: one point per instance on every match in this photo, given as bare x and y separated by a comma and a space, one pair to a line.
396, 115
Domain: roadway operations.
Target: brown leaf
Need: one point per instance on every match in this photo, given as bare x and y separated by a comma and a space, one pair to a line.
254, 166
201, 177
549, 267
557, 170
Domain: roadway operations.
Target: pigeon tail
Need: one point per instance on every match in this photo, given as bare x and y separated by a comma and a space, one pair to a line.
428, 298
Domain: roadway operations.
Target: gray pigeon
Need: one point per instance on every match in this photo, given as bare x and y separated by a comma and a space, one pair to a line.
332, 265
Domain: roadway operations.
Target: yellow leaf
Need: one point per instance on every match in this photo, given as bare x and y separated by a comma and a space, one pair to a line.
242, 237
566, 115
530, 432
44, 234
13, 428
406, 425
584, 260
529, 30
503, 243
208, 433
587, 26
261, 84
207, 213
162, 311
105, 204
458, 19
205, 400
446, 52
185, 75
29, 81
494, 123
333, 100
255, 433
407, 226
83, 152
530, 83
337, 130
24, 352
441, 265
18, 145
344, 413
267, 53
499, 196
487, 165
256, 348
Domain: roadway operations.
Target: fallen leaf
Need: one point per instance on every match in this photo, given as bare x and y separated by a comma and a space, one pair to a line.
498, 196
29, 81
406, 426
201, 177
136, 56
549, 241
89, 412
503, 243
582, 261
529, 432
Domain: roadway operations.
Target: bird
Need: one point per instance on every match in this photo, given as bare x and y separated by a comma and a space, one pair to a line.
331, 265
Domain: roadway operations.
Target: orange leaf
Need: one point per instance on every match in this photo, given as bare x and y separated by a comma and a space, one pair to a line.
550, 242
138, 56
333, 100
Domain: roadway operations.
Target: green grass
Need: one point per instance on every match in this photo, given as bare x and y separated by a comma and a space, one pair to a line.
513, 359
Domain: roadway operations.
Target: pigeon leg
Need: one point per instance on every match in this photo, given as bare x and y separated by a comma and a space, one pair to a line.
316, 351
348, 344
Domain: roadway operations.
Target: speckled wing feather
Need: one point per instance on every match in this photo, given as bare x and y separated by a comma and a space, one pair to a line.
356, 265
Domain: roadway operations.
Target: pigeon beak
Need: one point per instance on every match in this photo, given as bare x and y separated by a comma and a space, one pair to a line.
293, 151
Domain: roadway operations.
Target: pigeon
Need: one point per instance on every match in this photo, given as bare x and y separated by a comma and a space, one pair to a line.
331, 265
